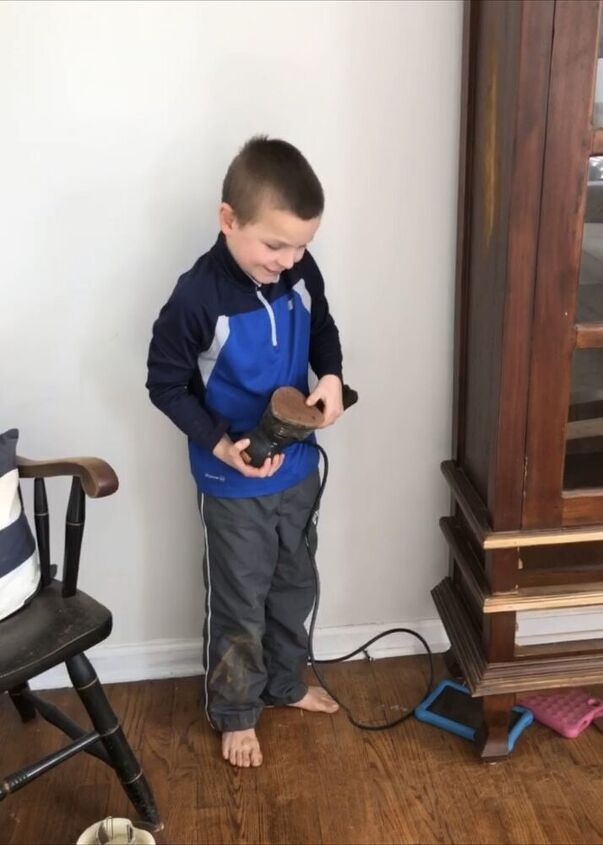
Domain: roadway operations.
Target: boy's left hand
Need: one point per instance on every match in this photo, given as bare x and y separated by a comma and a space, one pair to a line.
328, 392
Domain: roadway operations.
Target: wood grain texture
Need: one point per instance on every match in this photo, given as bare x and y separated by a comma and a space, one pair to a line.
323, 781
490, 667
582, 506
97, 476
525, 151
496, 30
589, 335
577, 506
527, 133
463, 246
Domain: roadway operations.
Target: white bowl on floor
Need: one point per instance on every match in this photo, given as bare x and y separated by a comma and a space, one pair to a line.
112, 831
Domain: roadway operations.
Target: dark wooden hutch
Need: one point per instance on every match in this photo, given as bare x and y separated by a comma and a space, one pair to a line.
526, 475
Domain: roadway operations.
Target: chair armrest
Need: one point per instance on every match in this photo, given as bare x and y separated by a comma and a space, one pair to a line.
97, 477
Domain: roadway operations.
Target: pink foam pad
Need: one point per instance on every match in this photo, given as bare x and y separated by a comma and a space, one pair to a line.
568, 711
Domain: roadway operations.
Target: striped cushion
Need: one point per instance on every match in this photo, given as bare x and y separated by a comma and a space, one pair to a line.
19, 567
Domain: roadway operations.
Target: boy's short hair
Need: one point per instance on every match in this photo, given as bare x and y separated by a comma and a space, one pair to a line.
275, 171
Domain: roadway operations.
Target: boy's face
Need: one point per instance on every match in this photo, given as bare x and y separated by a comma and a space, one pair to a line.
274, 241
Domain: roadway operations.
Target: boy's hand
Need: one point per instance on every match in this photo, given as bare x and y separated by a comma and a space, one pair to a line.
328, 393
230, 453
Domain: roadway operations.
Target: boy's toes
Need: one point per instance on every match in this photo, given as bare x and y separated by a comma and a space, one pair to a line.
256, 757
317, 700
241, 748
329, 704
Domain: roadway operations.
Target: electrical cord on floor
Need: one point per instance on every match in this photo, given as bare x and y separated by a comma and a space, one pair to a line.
363, 648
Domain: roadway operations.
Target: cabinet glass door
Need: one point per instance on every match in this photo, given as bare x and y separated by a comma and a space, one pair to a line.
584, 432
564, 445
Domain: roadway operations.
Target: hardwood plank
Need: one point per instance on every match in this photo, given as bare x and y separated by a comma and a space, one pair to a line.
323, 781
405, 749
346, 768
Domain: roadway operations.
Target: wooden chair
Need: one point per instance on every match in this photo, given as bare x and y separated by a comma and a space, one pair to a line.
56, 627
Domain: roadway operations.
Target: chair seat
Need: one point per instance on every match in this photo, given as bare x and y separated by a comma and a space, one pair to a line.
48, 631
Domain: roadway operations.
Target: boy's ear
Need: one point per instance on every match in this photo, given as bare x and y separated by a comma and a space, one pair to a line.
227, 218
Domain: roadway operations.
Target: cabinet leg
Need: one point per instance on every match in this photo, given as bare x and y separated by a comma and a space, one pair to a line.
452, 664
493, 736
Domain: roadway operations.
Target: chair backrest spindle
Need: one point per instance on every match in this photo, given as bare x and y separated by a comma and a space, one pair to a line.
42, 529
74, 531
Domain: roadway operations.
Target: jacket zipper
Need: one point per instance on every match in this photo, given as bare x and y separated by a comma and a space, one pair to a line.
268, 308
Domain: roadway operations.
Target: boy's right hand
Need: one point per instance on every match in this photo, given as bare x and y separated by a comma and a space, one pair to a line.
230, 453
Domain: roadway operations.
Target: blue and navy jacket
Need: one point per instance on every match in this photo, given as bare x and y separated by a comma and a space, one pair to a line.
222, 344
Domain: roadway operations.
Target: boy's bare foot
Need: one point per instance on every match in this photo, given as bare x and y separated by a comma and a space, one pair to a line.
317, 700
241, 748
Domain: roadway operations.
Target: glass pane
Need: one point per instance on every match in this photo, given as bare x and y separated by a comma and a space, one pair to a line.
598, 107
584, 445
589, 306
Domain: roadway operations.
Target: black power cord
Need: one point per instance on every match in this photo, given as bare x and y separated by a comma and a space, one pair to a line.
313, 661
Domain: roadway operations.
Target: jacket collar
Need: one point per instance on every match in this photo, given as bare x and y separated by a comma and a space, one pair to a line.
226, 261
224, 257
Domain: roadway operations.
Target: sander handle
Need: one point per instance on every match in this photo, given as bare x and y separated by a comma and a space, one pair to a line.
349, 397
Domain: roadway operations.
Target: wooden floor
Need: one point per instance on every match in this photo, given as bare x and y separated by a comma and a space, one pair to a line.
323, 780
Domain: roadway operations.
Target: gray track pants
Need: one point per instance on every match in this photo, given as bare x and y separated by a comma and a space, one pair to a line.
259, 591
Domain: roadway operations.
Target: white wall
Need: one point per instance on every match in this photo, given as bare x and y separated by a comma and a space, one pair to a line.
119, 120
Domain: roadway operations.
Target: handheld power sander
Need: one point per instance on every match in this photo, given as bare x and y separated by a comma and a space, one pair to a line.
287, 419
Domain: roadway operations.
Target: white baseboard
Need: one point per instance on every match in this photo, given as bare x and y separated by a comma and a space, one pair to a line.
183, 658
133, 662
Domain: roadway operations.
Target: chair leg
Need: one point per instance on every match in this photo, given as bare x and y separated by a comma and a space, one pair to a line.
25, 708
105, 721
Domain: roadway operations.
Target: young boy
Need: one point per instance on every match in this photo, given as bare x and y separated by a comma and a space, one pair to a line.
248, 318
